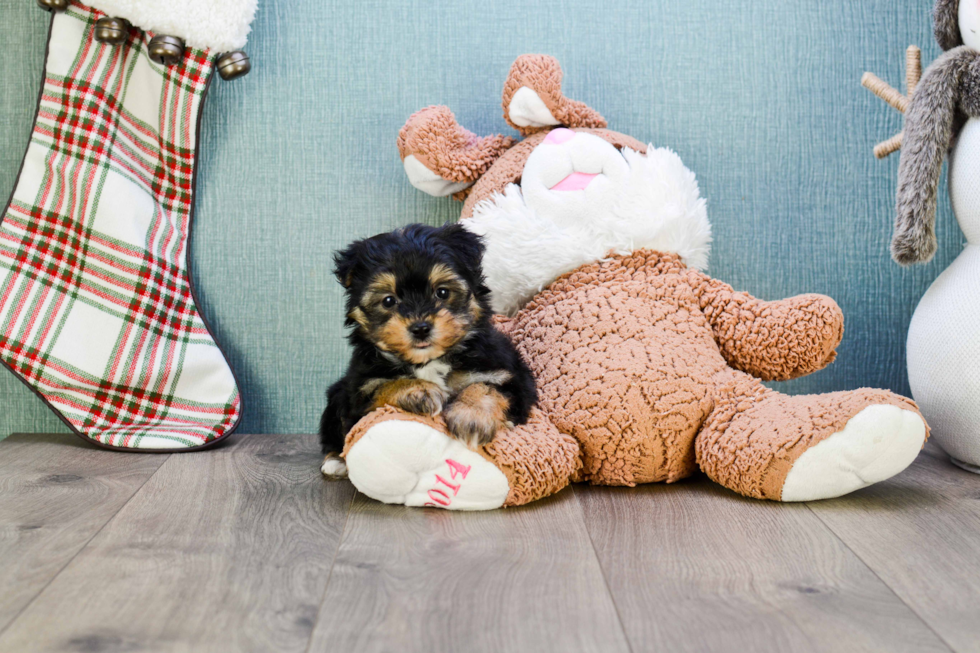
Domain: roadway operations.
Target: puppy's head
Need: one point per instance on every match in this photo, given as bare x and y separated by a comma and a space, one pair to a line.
414, 293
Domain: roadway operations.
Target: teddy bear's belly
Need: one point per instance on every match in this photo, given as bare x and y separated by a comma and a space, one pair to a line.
628, 377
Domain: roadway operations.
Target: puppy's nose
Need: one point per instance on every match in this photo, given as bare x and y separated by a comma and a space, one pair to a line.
420, 330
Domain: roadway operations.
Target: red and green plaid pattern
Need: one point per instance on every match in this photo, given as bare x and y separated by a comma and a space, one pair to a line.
97, 313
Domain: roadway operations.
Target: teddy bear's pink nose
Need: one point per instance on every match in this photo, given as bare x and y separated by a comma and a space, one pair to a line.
559, 136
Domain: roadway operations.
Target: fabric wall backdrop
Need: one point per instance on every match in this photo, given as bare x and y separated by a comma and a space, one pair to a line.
761, 98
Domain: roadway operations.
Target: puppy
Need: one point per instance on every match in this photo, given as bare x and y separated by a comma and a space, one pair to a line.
422, 340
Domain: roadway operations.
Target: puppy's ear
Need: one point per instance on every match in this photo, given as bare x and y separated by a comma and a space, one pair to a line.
466, 246
346, 263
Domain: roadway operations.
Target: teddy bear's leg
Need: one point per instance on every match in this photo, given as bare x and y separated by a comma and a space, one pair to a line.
767, 445
395, 457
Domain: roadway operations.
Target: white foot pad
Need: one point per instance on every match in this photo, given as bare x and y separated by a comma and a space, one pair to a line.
412, 464
874, 445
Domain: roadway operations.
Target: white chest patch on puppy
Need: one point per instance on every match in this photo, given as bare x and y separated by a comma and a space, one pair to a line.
434, 372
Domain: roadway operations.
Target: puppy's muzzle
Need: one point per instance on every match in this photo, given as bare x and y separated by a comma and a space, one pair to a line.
420, 330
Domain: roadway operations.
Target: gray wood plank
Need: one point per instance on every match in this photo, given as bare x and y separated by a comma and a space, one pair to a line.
222, 550
523, 579
694, 567
920, 532
56, 492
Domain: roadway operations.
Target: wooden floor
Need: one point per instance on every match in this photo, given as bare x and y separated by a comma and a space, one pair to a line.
246, 548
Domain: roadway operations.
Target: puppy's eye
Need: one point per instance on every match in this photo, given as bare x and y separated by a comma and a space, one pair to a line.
442, 293
389, 301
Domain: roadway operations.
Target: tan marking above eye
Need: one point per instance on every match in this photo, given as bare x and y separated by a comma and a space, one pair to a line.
442, 276
383, 285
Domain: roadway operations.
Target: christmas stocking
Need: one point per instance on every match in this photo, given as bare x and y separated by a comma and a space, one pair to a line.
97, 310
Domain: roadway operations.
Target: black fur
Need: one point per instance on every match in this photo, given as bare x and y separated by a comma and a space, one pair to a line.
410, 255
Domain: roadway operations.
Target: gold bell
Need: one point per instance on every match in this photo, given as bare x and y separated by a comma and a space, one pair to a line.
166, 50
113, 31
232, 65
53, 5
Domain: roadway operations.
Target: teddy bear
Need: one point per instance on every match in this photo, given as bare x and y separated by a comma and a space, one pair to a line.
648, 369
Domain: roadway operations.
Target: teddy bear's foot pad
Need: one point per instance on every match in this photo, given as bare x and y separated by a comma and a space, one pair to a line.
875, 444
409, 463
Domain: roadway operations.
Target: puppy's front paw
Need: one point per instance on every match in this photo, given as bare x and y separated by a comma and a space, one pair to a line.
412, 396
334, 468
477, 414
423, 398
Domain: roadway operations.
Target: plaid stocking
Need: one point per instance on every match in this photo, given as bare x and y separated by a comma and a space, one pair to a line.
97, 310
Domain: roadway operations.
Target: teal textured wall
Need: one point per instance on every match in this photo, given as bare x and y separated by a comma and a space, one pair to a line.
761, 98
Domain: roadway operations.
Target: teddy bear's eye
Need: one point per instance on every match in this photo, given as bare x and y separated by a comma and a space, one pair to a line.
389, 301
442, 293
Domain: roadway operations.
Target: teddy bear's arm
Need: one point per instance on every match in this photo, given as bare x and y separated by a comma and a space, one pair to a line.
773, 341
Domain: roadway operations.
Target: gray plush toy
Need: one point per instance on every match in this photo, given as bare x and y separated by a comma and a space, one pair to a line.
946, 98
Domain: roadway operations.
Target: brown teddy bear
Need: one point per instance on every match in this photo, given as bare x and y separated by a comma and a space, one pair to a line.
647, 368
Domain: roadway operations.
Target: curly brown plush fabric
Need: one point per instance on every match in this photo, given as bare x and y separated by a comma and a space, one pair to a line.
632, 359
537, 459
774, 341
446, 148
542, 74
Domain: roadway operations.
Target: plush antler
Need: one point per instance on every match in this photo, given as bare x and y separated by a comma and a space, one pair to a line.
913, 73
533, 100
454, 157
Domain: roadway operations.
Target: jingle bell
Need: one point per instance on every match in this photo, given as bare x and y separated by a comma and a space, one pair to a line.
113, 31
166, 50
53, 5
232, 65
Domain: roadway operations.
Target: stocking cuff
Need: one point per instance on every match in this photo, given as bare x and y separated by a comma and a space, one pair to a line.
219, 25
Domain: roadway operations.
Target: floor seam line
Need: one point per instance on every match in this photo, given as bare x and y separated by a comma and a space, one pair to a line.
602, 572
880, 579
3, 631
333, 562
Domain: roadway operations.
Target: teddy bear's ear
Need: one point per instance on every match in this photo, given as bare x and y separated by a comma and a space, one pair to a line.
440, 157
946, 24
533, 100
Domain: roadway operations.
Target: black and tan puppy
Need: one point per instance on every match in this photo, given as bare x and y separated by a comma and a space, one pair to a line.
423, 341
